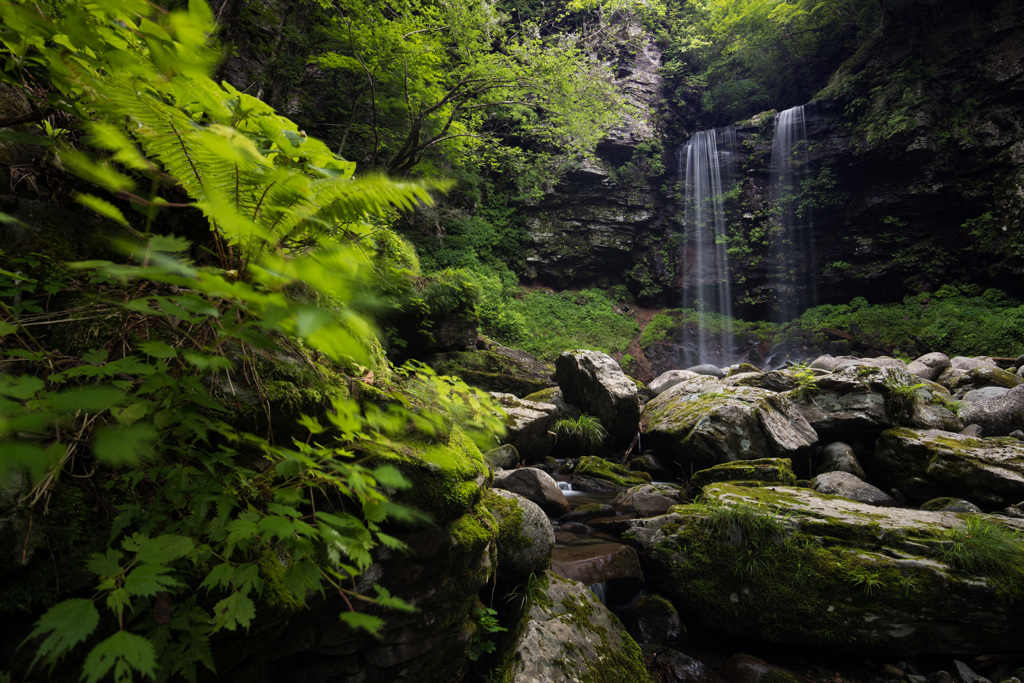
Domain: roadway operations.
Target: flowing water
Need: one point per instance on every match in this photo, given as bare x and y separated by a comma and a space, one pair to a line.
706, 163
792, 254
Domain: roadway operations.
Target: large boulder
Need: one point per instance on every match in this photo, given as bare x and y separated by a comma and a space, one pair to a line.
668, 379
930, 366
525, 536
496, 369
850, 486
839, 457
535, 485
791, 566
983, 377
865, 398
648, 500
702, 421
594, 381
926, 464
528, 426
997, 416
568, 635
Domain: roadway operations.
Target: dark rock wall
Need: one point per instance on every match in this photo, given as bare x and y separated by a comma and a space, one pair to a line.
914, 179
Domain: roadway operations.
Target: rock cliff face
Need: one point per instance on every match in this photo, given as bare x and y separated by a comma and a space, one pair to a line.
913, 177
588, 227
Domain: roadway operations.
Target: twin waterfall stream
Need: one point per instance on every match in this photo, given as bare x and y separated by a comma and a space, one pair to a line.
708, 167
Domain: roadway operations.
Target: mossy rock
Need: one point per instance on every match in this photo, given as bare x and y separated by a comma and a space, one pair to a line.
791, 566
448, 473
757, 472
497, 370
742, 369
599, 468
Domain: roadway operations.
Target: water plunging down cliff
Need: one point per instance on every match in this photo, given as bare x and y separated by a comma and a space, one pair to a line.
706, 165
792, 255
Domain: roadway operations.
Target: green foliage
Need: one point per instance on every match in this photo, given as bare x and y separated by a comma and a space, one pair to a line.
657, 330
552, 323
585, 430
806, 381
205, 538
959, 320
983, 547
487, 625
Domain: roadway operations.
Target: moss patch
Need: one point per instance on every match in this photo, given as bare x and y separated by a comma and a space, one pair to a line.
599, 468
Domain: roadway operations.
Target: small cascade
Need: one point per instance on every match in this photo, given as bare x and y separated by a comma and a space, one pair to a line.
565, 486
792, 256
706, 162
600, 589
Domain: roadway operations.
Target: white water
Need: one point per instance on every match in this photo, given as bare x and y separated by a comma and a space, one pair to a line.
600, 589
792, 257
706, 163
565, 486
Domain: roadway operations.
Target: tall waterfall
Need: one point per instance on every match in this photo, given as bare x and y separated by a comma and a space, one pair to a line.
706, 164
792, 256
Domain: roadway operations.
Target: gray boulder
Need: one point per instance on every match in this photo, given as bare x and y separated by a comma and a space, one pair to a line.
528, 426
984, 394
926, 464
648, 500
880, 362
983, 377
653, 619
570, 636
708, 370
668, 379
873, 574
964, 363
595, 382
930, 365
997, 416
849, 486
869, 399
829, 363
839, 457
534, 485
951, 505
703, 421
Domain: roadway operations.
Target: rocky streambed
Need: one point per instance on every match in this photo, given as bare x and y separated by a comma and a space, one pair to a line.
852, 519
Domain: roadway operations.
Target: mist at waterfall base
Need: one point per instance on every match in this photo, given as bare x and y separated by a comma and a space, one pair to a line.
709, 173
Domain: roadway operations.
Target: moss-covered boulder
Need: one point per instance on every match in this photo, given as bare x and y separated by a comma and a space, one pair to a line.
509, 371
648, 500
447, 472
762, 471
702, 422
525, 537
926, 464
568, 635
619, 475
653, 619
861, 399
792, 566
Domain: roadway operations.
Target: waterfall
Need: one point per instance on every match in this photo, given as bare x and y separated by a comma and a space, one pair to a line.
600, 590
564, 486
706, 163
792, 257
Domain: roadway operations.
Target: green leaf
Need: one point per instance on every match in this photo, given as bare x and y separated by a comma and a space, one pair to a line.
89, 399
125, 444
149, 579
20, 386
123, 652
367, 622
24, 138
105, 565
303, 576
102, 207
158, 349
391, 477
159, 549
67, 624
233, 611
7, 328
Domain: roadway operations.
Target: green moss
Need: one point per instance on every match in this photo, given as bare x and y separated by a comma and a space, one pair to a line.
599, 468
762, 471
542, 396
509, 517
447, 474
